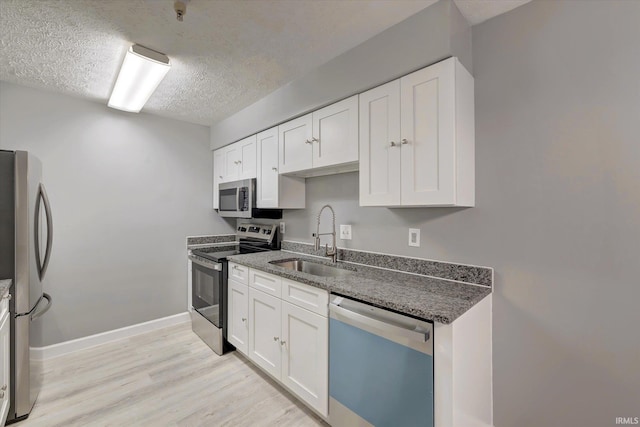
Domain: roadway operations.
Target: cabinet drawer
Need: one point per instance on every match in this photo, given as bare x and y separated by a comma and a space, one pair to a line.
267, 283
305, 296
239, 273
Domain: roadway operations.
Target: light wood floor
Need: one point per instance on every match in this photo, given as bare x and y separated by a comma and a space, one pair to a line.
163, 378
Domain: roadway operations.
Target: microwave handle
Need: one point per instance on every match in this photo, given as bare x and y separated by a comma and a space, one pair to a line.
238, 190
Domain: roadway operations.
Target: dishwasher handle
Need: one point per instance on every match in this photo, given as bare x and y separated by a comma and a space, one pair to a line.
395, 327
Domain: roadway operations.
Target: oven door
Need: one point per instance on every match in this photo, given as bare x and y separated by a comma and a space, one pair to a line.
207, 289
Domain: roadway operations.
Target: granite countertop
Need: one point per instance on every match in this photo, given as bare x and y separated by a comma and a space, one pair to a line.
427, 298
5, 285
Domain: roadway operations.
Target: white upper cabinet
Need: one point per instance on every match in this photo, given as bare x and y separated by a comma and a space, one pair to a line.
234, 162
335, 134
231, 155
295, 145
237, 161
240, 159
379, 146
247, 160
320, 143
417, 144
272, 189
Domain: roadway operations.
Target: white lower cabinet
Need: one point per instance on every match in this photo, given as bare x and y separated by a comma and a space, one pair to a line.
305, 353
264, 331
282, 336
4, 360
238, 318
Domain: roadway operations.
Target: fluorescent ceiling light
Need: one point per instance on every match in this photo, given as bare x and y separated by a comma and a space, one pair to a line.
142, 71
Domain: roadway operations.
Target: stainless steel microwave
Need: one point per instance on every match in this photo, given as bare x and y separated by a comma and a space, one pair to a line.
237, 198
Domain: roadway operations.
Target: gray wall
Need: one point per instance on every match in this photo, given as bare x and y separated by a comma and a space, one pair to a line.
557, 215
433, 34
125, 190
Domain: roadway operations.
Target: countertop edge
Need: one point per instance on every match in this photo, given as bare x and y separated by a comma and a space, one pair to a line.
462, 306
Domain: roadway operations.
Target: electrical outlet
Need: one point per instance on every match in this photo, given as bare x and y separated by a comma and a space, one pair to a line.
414, 237
282, 227
345, 232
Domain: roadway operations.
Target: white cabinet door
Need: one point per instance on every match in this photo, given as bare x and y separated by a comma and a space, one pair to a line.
275, 190
247, 157
428, 136
305, 356
232, 158
218, 175
267, 182
295, 145
380, 146
264, 331
238, 319
5, 387
335, 133
417, 145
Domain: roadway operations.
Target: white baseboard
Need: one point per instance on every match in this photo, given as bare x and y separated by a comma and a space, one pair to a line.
56, 350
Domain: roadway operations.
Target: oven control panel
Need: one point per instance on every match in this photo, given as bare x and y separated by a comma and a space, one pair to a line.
257, 231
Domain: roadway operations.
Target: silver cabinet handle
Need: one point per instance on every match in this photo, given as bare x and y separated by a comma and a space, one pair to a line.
7, 297
274, 169
1, 394
404, 141
239, 162
220, 176
4, 387
244, 319
314, 139
307, 142
283, 342
393, 144
276, 338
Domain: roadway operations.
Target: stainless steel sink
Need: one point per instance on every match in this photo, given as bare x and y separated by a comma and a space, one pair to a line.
310, 267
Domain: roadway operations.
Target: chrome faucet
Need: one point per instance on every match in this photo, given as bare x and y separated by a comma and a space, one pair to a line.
333, 253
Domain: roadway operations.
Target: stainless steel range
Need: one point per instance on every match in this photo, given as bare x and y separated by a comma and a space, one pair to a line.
209, 283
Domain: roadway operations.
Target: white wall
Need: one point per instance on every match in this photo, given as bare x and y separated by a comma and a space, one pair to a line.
557, 104
125, 191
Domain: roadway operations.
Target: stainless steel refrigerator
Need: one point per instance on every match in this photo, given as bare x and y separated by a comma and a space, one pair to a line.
25, 249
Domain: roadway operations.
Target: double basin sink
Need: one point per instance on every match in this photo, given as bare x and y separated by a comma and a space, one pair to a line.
311, 267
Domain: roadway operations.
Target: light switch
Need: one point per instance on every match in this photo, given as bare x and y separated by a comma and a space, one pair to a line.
282, 227
414, 237
345, 232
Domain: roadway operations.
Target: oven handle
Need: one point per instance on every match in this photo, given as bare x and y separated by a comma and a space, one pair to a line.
211, 265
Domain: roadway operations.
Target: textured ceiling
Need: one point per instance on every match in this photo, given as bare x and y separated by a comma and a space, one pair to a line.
226, 54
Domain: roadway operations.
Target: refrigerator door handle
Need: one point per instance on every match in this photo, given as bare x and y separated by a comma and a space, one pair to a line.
35, 314
42, 198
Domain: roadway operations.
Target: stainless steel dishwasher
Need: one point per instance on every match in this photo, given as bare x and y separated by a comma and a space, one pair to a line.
380, 367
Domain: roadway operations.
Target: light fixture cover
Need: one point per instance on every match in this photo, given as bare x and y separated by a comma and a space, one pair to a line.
142, 71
